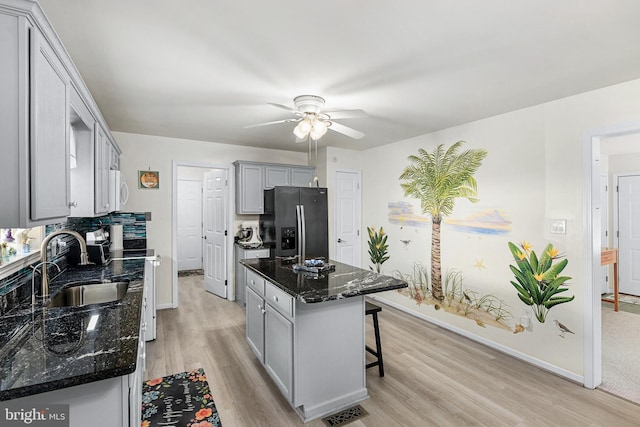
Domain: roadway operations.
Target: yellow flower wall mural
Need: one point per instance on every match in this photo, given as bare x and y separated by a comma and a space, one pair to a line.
538, 280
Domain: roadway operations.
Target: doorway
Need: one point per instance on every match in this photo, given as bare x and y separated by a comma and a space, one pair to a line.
628, 237
205, 244
620, 157
593, 211
189, 223
347, 214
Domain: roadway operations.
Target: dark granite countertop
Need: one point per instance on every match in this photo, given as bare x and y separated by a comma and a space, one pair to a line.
119, 254
249, 248
344, 282
51, 348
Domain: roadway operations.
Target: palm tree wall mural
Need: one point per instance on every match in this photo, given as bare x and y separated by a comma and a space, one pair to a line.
437, 179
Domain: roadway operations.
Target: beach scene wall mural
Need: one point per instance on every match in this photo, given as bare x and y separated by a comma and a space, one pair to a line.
432, 182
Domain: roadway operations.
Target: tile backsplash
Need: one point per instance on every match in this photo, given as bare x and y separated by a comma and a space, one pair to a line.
134, 227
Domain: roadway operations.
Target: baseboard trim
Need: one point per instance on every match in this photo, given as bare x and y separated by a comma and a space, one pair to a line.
492, 344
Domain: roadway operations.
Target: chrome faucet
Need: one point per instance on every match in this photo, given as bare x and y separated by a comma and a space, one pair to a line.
43, 271
84, 258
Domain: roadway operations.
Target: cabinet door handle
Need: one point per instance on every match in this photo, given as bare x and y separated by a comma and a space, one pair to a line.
275, 298
72, 204
341, 241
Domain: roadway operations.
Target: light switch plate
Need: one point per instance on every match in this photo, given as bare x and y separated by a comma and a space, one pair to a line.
558, 226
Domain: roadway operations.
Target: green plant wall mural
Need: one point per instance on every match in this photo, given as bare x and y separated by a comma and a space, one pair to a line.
378, 247
538, 280
437, 179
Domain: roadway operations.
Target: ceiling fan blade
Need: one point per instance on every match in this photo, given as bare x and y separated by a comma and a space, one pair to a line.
284, 107
271, 123
346, 114
345, 130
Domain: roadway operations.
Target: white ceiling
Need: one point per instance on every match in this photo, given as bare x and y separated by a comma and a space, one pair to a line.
203, 69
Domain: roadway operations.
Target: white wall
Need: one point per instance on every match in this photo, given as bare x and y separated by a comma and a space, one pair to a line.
624, 163
191, 173
533, 173
141, 152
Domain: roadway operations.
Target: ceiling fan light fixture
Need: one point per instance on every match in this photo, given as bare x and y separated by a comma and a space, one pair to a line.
318, 129
302, 129
309, 103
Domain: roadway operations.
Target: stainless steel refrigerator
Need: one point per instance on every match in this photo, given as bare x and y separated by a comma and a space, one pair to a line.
295, 222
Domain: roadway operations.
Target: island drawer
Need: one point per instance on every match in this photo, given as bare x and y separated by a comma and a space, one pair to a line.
279, 300
255, 282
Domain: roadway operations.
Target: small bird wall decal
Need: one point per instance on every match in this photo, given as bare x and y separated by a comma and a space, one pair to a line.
563, 329
406, 243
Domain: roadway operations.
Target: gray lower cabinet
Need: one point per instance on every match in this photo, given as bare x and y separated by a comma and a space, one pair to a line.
149, 304
314, 353
269, 330
241, 276
255, 323
278, 350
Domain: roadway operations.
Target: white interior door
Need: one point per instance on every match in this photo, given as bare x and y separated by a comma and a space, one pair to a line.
189, 225
604, 228
215, 230
629, 234
347, 218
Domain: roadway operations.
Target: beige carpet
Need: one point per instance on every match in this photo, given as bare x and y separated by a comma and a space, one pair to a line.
621, 354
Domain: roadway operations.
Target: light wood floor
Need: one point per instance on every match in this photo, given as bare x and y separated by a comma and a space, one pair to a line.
432, 377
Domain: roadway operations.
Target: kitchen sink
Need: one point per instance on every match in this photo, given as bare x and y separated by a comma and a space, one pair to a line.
85, 294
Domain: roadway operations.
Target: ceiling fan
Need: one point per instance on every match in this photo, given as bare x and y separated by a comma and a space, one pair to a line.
313, 121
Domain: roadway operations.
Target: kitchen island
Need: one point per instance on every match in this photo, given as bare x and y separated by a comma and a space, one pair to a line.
308, 331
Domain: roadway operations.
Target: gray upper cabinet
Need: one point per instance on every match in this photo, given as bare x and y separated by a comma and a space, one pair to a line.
249, 185
34, 131
276, 175
302, 177
253, 177
49, 129
38, 120
101, 170
94, 156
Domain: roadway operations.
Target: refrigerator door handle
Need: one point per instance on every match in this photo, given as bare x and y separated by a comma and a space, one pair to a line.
302, 232
298, 228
